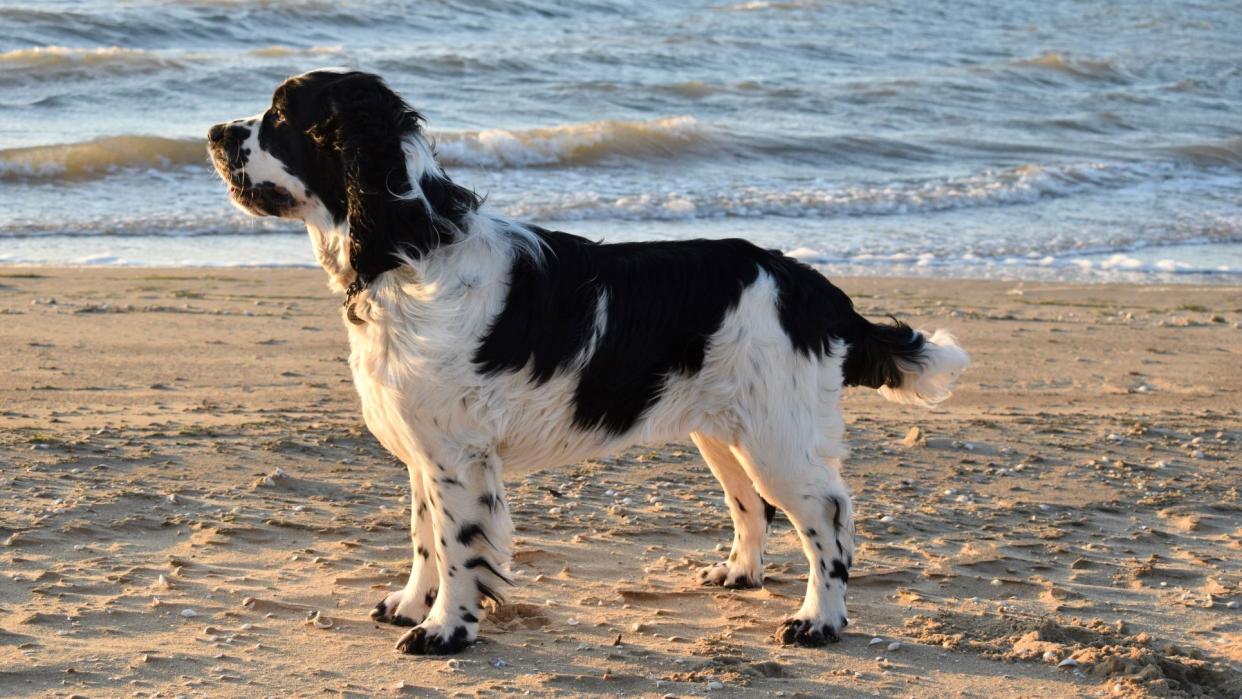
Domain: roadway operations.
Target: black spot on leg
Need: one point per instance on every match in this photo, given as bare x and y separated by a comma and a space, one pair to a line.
840, 550
486, 591
467, 616
811, 533
423, 552
449, 480
470, 532
740, 506
839, 571
836, 515
489, 500
430, 598
479, 561
422, 509
822, 566
819, 547
769, 511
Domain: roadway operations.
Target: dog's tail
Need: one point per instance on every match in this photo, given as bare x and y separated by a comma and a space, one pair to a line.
906, 365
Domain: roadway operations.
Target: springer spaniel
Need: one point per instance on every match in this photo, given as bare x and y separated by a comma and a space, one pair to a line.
482, 347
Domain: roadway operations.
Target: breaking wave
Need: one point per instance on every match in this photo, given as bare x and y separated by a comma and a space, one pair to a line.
101, 156
571, 144
1020, 185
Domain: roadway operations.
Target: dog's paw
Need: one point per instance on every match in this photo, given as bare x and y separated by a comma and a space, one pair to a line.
435, 639
404, 608
808, 632
730, 575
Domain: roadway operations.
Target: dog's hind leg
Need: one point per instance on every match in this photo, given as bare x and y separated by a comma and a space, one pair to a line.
409, 605
807, 487
465, 499
751, 517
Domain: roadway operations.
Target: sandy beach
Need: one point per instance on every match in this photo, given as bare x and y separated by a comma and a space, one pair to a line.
186, 479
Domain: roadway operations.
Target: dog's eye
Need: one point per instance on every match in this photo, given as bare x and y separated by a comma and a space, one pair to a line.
278, 117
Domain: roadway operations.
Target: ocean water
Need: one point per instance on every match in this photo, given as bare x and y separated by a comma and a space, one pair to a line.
1050, 139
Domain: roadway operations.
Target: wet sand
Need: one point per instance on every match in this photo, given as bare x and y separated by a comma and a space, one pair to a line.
186, 478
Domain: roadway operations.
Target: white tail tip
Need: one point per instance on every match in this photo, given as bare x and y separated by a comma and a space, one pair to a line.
931, 383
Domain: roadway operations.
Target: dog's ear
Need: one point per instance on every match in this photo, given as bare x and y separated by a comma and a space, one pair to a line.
368, 126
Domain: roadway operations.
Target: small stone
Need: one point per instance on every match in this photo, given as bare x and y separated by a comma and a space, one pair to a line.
1231, 604
1068, 662
996, 582
875, 641
188, 613
498, 663
894, 646
1050, 657
714, 685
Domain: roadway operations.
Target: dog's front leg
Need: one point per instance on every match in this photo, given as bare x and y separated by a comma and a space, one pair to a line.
409, 605
473, 532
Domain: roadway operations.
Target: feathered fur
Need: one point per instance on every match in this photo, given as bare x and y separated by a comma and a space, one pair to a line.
482, 347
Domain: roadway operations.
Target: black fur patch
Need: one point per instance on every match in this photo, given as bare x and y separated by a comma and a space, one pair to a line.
836, 512
769, 511
839, 571
489, 500
469, 532
479, 561
663, 302
486, 592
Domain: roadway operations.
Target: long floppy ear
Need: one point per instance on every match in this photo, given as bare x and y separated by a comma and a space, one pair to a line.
370, 127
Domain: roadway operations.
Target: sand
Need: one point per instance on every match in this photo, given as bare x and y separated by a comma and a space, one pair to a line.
186, 478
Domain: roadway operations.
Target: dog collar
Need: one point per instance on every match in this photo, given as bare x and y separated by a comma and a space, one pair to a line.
351, 292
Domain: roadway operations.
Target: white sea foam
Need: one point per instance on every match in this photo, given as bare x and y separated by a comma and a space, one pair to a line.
570, 144
1020, 185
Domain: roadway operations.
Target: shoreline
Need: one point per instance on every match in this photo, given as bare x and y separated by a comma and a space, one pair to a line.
834, 270
189, 439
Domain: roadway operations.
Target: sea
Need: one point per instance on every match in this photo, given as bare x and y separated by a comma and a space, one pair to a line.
1050, 139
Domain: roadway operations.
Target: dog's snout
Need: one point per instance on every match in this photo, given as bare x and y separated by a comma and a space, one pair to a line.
232, 133
224, 141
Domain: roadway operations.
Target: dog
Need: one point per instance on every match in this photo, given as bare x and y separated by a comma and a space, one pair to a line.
482, 347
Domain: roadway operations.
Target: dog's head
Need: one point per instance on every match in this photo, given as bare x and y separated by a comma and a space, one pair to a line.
343, 153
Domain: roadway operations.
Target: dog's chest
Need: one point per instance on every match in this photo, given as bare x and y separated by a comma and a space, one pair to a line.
418, 389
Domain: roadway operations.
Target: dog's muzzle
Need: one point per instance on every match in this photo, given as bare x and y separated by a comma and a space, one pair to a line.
224, 143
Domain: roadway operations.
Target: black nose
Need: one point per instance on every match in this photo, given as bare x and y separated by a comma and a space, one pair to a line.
216, 133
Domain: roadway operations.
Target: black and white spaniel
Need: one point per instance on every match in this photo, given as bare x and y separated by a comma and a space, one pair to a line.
482, 347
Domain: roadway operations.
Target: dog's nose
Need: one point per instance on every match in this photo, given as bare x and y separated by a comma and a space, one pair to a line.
216, 133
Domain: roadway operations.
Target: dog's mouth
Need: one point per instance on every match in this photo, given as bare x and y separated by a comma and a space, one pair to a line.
264, 198
260, 199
